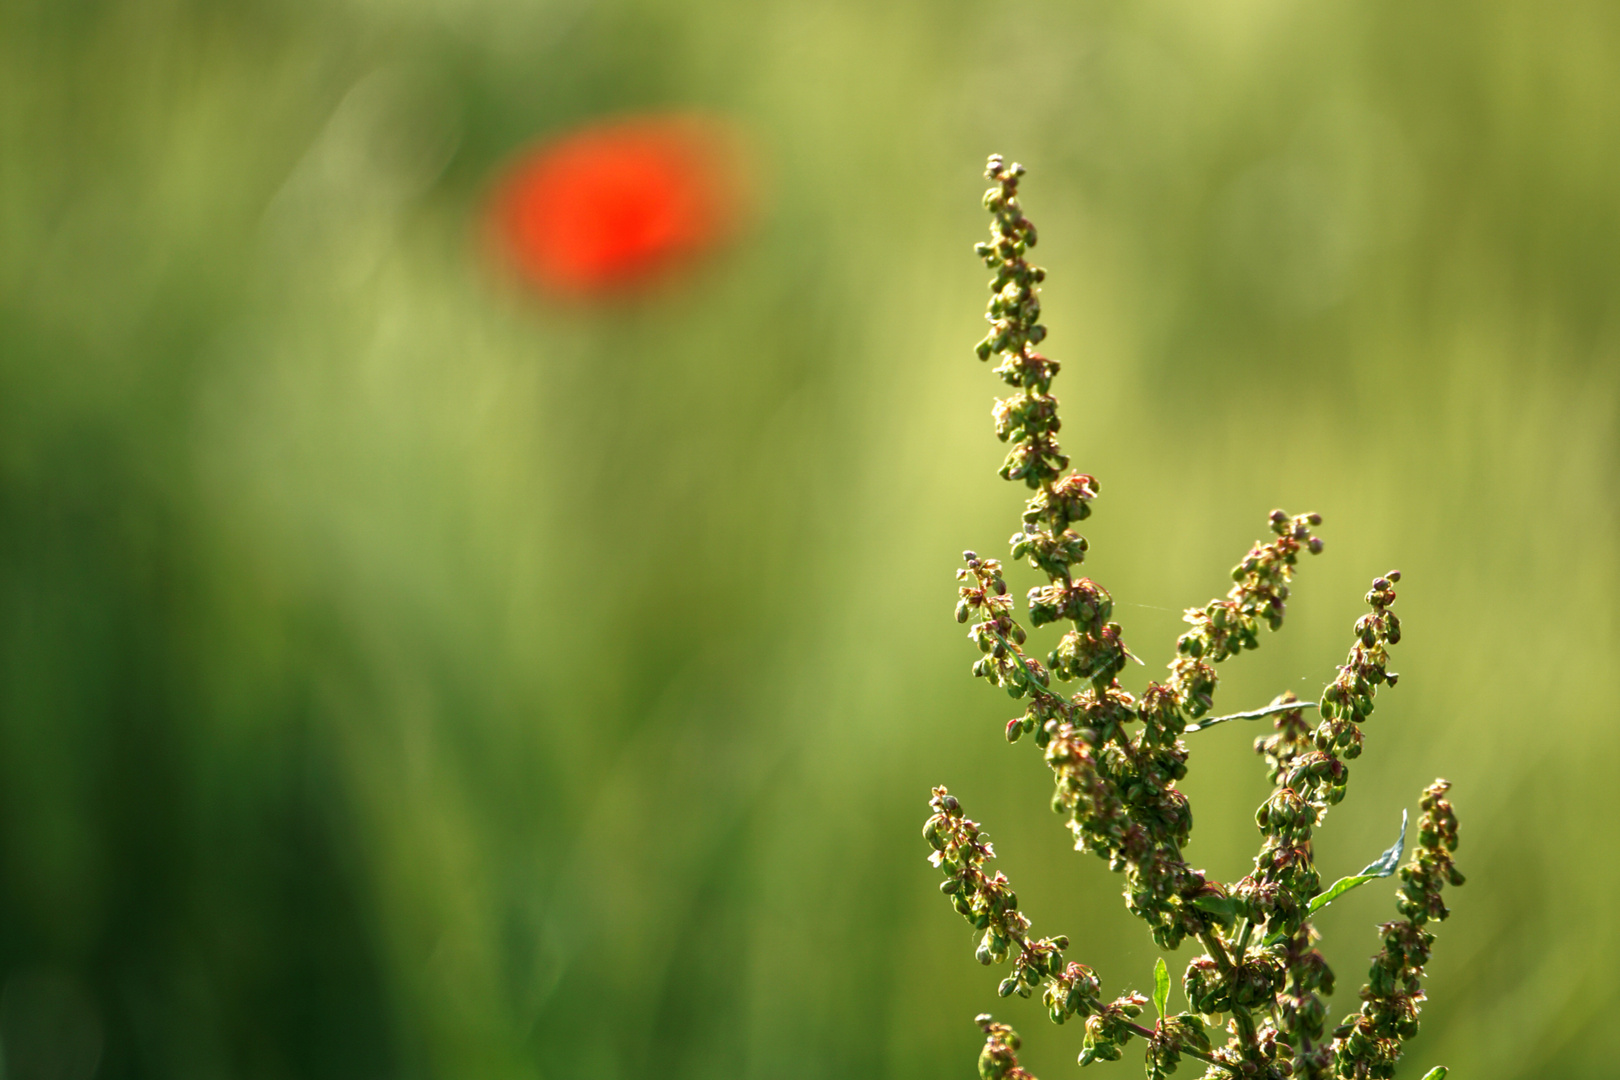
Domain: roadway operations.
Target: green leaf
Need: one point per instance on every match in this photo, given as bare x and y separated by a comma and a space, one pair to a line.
1161, 985
1381, 867
1223, 908
1385, 864
1338, 889
1436, 1073
1253, 714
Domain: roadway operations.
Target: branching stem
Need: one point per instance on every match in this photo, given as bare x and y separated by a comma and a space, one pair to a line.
1213, 945
1208, 1059
1030, 681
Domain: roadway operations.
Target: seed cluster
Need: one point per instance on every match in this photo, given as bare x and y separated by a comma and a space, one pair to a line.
1116, 758
1368, 1044
999, 1058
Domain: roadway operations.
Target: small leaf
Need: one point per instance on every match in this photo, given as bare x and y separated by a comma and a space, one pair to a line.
1436, 1073
1385, 864
1253, 714
1161, 985
1223, 908
1336, 890
1381, 867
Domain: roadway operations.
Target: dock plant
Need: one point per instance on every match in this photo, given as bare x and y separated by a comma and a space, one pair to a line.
1256, 990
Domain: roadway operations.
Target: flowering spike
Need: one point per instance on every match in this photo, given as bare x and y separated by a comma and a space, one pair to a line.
1116, 758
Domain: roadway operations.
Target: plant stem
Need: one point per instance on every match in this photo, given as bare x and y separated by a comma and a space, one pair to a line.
1147, 1033
1246, 1032
1212, 945
1030, 680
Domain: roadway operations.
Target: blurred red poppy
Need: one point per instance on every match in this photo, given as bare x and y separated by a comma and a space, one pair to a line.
619, 205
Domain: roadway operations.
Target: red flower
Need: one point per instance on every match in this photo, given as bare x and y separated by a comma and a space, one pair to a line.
619, 205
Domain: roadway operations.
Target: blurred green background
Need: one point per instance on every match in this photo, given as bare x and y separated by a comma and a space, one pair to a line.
400, 678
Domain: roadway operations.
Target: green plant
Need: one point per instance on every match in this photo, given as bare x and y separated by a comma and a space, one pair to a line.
1115, 759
